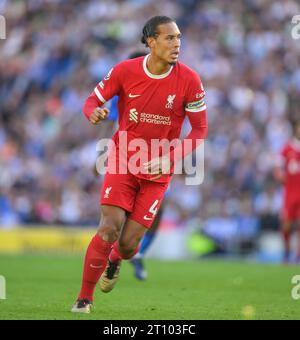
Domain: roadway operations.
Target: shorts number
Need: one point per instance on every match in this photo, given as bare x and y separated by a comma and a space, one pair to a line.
153, 209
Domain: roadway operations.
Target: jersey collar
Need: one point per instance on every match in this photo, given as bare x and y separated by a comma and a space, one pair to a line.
154, 76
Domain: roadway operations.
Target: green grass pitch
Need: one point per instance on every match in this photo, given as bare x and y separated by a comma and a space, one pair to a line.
45, 286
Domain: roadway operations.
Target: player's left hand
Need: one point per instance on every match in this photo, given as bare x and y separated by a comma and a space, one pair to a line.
158, 166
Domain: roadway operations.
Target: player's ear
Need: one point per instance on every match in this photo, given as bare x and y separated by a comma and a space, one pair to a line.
151, 42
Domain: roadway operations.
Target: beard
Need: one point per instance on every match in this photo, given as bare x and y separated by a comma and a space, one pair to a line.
172, 63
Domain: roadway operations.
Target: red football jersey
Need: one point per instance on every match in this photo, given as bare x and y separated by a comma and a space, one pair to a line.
291, 162
153, 106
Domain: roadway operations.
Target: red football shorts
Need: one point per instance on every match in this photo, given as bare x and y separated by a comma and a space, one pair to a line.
139, 197
291, 209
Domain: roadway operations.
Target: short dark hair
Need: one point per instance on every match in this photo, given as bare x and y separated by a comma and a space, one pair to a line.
150, 28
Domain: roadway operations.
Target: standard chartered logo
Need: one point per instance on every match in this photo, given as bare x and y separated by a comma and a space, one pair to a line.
148, 118
155, 119
2, 288
133, 115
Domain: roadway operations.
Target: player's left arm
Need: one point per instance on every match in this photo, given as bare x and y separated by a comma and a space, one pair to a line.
195, 109
198, 121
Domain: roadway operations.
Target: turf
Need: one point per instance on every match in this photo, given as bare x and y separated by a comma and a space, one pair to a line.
44, 287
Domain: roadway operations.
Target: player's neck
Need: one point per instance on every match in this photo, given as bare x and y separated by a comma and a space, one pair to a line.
157, 66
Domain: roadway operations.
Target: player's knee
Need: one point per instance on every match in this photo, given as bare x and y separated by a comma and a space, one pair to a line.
127, 249
109, 230
127, 252
108, 233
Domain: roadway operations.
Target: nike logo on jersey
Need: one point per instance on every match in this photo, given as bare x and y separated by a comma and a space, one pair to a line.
134, 95
146, 218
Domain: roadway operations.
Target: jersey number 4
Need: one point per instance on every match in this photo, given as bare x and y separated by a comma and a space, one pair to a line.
153, 209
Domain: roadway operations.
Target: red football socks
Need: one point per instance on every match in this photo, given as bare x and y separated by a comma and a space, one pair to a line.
95, 262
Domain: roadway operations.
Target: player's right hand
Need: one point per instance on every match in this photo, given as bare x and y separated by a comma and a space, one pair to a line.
98, 115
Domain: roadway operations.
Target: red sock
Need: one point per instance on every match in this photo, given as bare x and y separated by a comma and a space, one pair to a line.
95, 262
116, 255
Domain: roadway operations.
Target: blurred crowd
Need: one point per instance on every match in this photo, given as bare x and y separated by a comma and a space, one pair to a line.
55, 53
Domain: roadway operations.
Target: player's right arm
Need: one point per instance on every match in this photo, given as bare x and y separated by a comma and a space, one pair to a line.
105, 90
195, 110
93, 112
